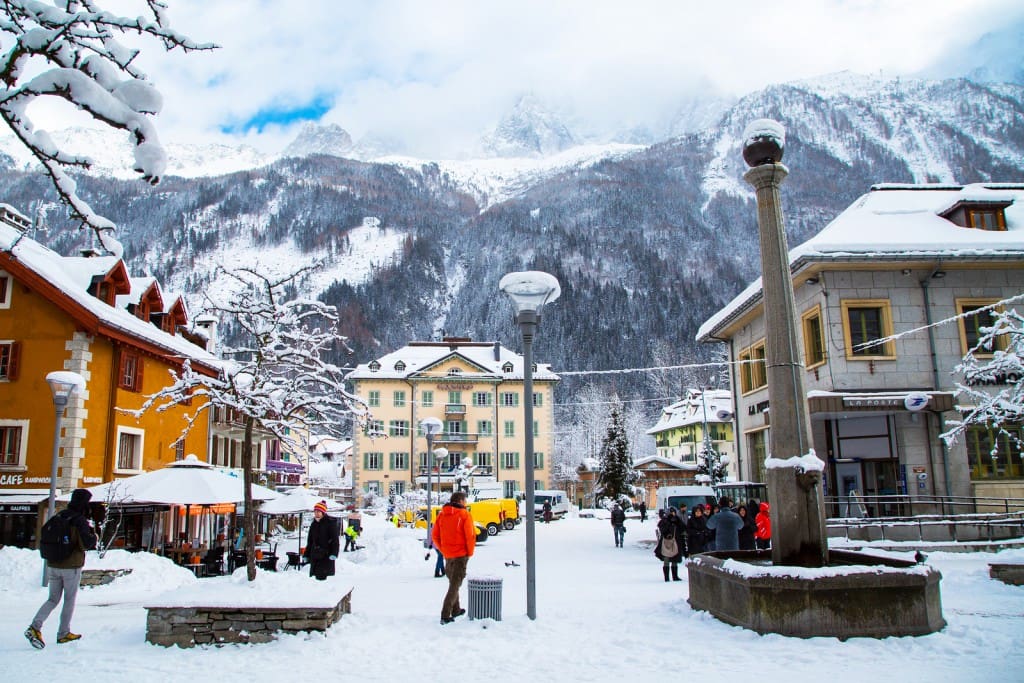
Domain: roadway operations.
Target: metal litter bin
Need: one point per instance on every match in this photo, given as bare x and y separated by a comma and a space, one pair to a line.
485, 598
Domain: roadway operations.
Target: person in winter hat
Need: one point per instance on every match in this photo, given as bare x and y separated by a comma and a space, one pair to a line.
64, 576
322, 543
455, 534
670, 544
763, 535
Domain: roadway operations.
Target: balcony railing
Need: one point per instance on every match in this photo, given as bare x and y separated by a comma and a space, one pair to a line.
456, 437
454, 408
478, 471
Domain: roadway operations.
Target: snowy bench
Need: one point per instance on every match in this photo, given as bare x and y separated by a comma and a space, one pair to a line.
189, 624
1007, 572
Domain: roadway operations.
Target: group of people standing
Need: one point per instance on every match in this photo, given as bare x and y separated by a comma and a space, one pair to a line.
710, 527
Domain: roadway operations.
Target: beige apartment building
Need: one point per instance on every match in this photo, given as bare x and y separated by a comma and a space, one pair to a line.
476, 390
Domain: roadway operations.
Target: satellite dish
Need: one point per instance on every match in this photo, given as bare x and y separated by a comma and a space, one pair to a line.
724, 415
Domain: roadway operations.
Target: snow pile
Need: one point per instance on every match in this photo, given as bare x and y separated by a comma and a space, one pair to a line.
808, 462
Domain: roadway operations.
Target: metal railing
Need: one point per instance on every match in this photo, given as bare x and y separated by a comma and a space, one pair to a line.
881, 506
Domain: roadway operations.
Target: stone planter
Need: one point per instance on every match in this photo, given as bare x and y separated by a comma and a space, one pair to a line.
198, 625
1007, 572
101, 577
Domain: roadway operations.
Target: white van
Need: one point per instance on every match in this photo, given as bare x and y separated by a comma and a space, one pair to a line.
559, 503
674, 496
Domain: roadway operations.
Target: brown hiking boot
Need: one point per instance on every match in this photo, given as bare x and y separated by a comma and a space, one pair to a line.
69, 638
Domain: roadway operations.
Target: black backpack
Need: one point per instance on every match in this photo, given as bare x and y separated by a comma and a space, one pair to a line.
56, 543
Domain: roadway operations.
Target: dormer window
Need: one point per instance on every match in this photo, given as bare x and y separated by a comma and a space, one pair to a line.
986, 219
400, 366
980, 215
374, 366
506, 368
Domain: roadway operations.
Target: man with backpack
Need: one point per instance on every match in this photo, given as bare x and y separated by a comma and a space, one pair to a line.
63, 542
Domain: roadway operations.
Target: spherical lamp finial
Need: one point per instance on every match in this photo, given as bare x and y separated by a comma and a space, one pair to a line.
764, 141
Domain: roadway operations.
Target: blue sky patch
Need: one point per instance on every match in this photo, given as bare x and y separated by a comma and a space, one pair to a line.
282, 115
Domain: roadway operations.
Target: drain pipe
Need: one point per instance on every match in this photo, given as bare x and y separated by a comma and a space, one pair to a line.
935, 375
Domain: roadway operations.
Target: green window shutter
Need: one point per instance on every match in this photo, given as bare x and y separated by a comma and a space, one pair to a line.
366, 461
517, 460
538, 461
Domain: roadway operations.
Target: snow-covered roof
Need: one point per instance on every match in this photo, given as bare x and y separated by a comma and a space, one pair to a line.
417, 358
901, 223
659, 460
691, 410
72, 276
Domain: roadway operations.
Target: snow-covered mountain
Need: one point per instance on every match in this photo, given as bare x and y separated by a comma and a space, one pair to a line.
659, 235
529, 130
320, 139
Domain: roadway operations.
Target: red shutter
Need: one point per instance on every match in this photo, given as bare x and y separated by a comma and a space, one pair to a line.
14, 361
138, 373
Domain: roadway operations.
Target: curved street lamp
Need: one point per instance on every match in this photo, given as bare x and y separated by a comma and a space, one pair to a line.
431, 427
63, 385
529, 291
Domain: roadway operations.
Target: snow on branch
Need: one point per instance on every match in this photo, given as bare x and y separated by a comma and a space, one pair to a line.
69, 50
991, 391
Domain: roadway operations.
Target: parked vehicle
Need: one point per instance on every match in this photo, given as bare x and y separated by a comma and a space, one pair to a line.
490, 513
675, 496
511, 508
741, 491
559, 501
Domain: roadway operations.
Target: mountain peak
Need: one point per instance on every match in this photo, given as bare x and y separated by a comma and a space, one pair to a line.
315, 138
529, 130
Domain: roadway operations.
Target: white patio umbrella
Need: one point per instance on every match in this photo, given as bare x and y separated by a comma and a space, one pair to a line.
297, 501
186, 482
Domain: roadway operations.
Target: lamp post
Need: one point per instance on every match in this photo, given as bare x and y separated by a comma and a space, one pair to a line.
63, 385
529, 291
440, 454
431, 426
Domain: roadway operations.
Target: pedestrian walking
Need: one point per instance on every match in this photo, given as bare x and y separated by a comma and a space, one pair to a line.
546, 509
618, 524
643, 511
455, 534
726, 525
64, 574
670, 546
322, 543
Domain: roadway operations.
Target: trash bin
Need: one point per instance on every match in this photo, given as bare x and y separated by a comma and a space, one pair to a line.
485, 598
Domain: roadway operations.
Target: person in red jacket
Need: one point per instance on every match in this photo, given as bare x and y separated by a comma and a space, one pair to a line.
454, 534
763, 535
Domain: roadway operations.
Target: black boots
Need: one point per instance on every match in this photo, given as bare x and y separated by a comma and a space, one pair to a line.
675, 573
664, 570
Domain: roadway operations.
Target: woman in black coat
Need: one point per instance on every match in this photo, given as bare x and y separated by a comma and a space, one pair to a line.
322, 543
746, 533
696, 531
670, 526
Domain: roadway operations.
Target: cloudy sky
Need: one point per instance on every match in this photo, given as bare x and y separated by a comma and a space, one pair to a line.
435, 74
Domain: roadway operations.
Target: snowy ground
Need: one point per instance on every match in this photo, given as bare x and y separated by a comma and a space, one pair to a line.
603, 614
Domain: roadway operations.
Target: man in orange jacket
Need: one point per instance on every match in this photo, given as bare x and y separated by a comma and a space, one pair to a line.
454, 535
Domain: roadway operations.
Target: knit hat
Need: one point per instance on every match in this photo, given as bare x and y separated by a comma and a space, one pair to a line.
321, 507
80, 500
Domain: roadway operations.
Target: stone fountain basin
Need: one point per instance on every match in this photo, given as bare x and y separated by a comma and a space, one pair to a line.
856, 595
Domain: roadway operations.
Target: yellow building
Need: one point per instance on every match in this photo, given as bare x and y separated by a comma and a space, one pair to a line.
679, 433
476, 390
84, 315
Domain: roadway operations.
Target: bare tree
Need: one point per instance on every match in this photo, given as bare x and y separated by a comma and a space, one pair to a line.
276, 378
69, 49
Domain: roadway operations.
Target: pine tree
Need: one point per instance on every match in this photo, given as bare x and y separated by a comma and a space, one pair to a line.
617, 477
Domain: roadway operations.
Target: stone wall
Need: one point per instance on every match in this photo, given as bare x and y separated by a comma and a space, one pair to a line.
101, 577
190, 626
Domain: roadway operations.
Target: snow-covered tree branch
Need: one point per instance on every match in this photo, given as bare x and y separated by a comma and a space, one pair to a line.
991, 392
68, 49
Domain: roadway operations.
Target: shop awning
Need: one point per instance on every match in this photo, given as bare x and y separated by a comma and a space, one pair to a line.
13, 503
883, 401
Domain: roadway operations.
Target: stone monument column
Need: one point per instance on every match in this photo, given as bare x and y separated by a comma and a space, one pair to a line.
795, 490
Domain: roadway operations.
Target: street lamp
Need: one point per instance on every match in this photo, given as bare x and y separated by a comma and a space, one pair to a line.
529, 291
431, 426
63, 385
440, 455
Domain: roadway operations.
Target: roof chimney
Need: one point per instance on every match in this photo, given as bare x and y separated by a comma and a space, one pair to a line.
497, 350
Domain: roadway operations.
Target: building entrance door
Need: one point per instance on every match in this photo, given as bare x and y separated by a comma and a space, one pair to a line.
880, 479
